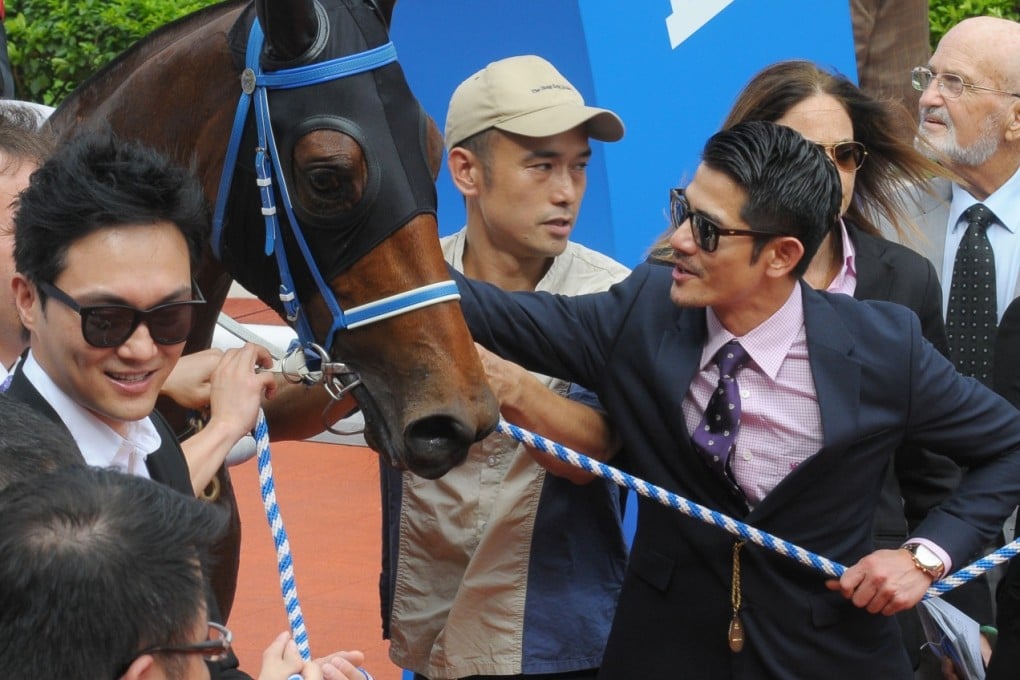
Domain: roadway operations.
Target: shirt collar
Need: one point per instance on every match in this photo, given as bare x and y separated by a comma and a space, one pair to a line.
1004, 202
98, 442
768, 343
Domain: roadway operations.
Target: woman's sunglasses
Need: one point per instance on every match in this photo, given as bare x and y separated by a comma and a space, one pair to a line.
848, 156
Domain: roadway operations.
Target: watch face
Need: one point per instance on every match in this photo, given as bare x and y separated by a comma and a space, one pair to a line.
927, 558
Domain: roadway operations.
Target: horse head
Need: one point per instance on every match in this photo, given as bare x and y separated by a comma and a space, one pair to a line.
325, 201
352, 158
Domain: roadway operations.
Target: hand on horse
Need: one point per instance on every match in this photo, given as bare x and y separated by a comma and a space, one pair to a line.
508, 381
527, 402
235, 397
884, 582
190, 384
237, 389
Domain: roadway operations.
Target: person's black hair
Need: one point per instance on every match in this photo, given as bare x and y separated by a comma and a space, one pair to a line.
96, 565
792, 187
30, 444
97, 181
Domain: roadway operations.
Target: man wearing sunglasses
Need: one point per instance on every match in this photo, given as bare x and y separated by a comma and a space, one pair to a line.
734, 384
107, 235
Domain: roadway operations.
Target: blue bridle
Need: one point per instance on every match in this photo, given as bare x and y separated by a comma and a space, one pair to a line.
255, 86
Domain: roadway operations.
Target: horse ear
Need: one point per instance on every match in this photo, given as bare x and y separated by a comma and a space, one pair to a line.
290, 27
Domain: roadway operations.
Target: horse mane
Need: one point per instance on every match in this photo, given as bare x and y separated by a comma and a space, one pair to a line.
150, 44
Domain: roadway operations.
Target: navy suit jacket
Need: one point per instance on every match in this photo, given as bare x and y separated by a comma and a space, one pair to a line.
879, 385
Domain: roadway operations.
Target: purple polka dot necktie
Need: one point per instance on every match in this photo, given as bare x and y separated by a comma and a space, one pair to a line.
5, 385
716, 434
971, 315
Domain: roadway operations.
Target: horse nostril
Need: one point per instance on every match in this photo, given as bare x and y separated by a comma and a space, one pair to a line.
437, 444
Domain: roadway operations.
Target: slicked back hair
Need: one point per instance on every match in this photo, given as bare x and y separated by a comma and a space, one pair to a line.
792, 187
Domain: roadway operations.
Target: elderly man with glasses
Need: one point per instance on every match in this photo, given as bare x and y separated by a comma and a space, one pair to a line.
970, 122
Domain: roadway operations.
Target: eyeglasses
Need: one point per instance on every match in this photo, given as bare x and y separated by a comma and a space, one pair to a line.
848, 156
950, 85
706, 232
111, 325
214, 648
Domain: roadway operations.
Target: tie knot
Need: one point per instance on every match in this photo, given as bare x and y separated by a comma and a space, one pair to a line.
730, 357
978, 216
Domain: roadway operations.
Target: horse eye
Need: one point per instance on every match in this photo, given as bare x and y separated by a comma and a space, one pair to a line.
324, 181
330, 172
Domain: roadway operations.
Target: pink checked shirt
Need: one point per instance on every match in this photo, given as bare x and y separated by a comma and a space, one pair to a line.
780, 424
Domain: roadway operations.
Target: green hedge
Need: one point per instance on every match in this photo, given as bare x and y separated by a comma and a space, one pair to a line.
55, 44
944, 14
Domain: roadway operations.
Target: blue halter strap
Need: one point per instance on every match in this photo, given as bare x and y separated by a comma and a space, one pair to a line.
255, 86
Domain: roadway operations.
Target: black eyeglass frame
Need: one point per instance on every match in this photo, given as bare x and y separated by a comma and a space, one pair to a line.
139, 316
706, 233
212, 650
921, 77
857, 156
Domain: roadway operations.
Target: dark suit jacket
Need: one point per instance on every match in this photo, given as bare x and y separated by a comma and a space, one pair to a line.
919, 479
879, 385
1006, 659
166, 465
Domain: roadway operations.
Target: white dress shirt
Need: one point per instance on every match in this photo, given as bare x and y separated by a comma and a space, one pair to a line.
100, 445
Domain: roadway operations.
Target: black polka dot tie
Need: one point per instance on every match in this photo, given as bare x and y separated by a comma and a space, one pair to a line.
971, 316
716, 434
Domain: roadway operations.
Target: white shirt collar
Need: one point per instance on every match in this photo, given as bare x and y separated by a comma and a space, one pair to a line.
1004, 202
99, 444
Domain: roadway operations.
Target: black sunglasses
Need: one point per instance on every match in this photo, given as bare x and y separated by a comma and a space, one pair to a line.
111, 325
706, 232
848, 156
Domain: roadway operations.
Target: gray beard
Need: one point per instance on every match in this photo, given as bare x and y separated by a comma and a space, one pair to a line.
947, 148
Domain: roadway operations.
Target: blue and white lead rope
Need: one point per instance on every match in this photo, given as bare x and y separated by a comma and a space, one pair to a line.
764, 539
736, 527
283, 558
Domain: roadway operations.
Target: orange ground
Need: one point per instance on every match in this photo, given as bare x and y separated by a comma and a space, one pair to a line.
329, 501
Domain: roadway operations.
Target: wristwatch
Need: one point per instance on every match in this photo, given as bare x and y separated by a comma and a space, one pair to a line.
926, 560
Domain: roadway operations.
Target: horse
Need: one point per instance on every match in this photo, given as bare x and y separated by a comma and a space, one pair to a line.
297, 119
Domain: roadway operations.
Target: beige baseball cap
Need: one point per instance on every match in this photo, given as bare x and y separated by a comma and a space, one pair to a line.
527, 96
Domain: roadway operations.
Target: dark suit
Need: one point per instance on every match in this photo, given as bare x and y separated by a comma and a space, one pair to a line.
1006, 659
166, 465
879, 385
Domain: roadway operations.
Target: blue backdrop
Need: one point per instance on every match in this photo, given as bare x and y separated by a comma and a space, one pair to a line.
669, 69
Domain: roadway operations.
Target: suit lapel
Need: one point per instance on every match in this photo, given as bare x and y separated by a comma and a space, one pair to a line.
874, 274
932, 219
24, 391
837, 377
